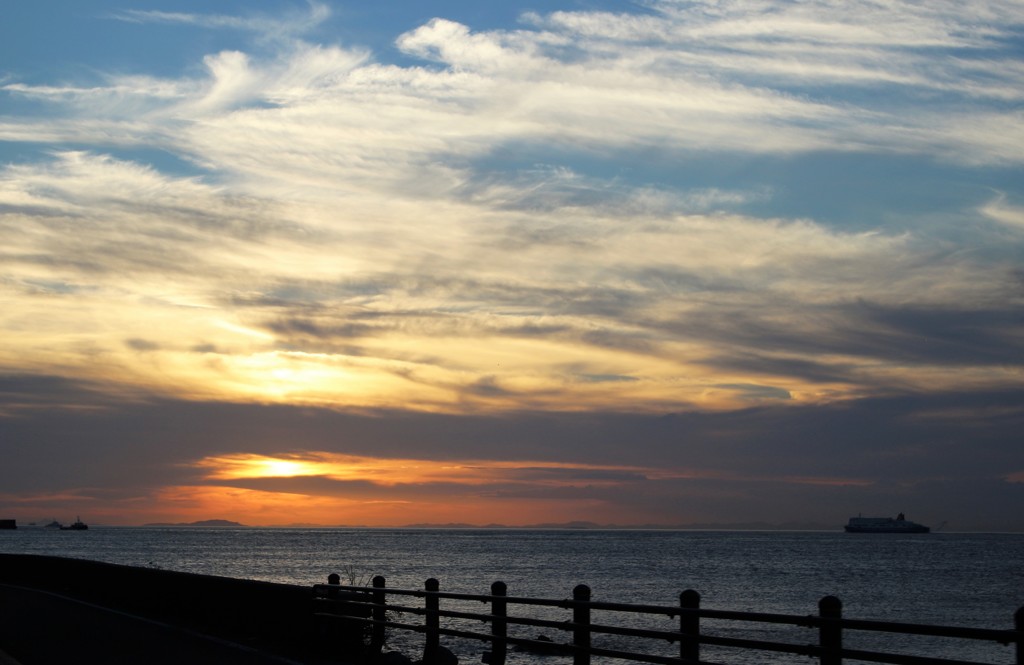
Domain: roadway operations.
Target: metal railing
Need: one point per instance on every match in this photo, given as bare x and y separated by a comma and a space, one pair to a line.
365, 615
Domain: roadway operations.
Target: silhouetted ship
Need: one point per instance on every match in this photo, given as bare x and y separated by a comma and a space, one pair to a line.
884, 525
79, 525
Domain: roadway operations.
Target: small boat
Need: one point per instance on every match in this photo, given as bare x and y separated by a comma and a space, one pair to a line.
78, 525
884, 525
53, 525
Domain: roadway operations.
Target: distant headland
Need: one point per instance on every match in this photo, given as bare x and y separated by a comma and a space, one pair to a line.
199, 523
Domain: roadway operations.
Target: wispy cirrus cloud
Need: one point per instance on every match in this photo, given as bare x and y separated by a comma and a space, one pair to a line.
271, 27
650, 300
1000, 210
774, 89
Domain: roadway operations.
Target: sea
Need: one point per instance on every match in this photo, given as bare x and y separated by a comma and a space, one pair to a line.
947, 579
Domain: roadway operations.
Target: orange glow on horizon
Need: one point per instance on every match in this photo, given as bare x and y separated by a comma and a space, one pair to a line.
330, 489
390, 472
265, 508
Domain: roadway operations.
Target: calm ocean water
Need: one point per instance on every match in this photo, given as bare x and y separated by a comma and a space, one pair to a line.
941, 578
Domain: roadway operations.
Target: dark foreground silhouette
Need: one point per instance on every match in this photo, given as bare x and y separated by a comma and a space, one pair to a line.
57, 610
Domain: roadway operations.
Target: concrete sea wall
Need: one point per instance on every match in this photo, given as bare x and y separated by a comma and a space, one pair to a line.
266, 618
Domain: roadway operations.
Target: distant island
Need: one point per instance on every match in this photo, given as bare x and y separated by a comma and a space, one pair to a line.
199, 523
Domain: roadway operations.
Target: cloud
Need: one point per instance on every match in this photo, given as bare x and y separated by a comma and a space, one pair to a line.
733, 78
790, 214
141, 345
270, 27
753, 391
21, 395
1003, 212
390, 471
683, 467
299, 298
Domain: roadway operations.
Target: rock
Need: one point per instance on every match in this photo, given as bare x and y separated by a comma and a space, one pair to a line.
392, 658
443, 656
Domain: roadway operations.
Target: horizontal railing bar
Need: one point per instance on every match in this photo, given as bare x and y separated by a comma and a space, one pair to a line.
667, 635
961, 632
561, 648
420, 593
648, 633
367, 600
760, 645
374, 622
900, 659
408, 610
517, 600
475, 616
642, 657
510, 620
568, 603
482, 598
756, 617
537, 623
605, 606
455, 632
629, 655
542, 623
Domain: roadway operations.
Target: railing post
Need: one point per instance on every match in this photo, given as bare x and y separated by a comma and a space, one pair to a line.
1018, 625
333, 579
581, 627
499, 624
380, 613
689, 626
830, 632
432, 605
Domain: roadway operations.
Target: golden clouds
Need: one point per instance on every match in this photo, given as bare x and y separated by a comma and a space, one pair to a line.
153, 284
391, 472
331, 488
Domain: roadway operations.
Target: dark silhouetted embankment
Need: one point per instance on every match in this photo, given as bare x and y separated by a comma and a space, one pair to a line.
58, 610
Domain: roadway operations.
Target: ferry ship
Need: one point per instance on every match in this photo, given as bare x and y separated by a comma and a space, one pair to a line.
884, 525
79, 525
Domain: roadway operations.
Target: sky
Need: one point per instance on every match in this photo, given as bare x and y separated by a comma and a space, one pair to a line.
652, 262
